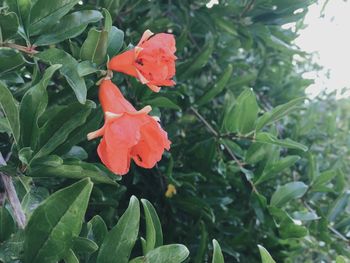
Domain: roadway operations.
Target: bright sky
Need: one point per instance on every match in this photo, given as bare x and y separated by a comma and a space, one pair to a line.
329, 37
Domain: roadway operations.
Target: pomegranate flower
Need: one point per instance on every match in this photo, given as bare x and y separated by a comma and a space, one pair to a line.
152, 61
127, 133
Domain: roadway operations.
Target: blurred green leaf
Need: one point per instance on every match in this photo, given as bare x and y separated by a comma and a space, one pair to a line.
242, 116
264, 137
287, 192
94, 47
217, 88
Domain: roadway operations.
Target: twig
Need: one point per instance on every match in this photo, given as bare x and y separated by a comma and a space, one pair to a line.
28, 50
247, 8
216, 134
12, 196
332, 229
201, 118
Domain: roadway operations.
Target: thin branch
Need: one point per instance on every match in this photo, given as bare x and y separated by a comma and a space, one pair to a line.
247, 8
12, 196
229, 151
332, 229
28, 50
201, 118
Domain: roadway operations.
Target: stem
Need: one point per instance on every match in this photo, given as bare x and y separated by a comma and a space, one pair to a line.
12, 196
218, 135
29, 50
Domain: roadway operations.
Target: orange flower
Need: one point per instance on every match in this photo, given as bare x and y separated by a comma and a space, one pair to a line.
127, 133
152, 61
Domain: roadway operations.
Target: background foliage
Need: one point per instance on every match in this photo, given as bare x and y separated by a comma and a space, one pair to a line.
253, 161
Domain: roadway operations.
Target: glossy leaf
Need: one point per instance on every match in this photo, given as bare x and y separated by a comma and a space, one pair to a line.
51, 228
265, 137
242, 116
57, 129
115, 41
69, 26
7, 225
32, 106
94, 47
44, 13
8, 25
10, 108
154, 234
217, 254
10, 59
278, 113
119, 242
68, 70
265, 255
288, 192
165, 254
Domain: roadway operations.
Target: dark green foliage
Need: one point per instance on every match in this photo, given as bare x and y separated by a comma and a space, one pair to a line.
253, 163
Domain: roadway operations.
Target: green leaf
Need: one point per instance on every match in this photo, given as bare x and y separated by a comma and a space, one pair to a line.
69, 70
92, 123
77, 170
84, 245
287, 228
338, 206
9, 107
174, 253
278, 113
115, 41
33, 199
217, 254
22, 9
108, 20
287, 192
70, 26
218, 87
98, 229
86, 68
32, 106
94, 47
242, 116
119, 242
265, 255
8, 25
4, 126
57, 129
154, 234
189, 67
44, 13
70, 257
341, 259
162, 102
53, 225
7, 225
10, 59
274, 168
269, 138
201, 252
323, 179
